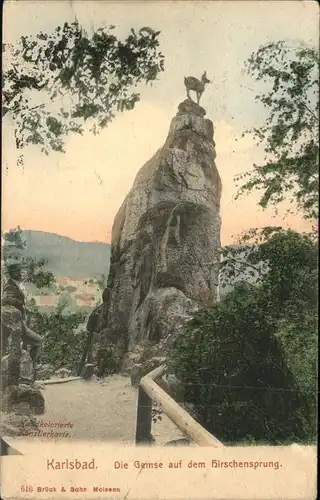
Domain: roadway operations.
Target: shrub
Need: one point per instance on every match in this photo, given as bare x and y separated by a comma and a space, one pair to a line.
247, 381
64, 341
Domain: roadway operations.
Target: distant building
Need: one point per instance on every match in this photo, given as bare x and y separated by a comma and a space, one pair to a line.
62, 280
85, 302
46, 300
82, 290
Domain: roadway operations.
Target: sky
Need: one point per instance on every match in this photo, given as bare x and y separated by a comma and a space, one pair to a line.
77, 194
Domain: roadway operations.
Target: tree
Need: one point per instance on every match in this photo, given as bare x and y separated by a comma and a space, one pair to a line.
289, 282
249, 363
102, 282
75, 77
66, 303
64, 336
290, 132
34, 269
283, 259
64, 333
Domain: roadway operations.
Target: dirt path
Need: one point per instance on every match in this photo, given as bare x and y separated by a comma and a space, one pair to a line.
103, 410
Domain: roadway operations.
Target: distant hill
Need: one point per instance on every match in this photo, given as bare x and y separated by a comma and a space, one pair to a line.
68, 257
80, 259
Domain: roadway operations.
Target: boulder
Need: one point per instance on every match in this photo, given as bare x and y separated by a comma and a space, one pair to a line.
88, 371
4, 369
39, 385
165, 241
142, 369
63, 373
23, 399
173, 386
141, 353
130, 360
26, 367
14, 424
45, 371
191, 108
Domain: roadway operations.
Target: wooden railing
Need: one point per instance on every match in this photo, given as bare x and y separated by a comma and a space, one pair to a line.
149, 392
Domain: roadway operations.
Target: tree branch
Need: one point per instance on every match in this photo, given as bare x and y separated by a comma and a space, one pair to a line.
236, 261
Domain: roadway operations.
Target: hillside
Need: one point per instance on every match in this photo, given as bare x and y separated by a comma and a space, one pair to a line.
78, 259
68, 257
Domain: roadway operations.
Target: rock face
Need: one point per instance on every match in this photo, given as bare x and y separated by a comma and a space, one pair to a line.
166, 240
139, 370
26, 367
23, 399
63, 373
45, 371
15, 424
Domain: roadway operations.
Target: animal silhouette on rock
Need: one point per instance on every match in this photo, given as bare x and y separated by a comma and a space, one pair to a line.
198, 86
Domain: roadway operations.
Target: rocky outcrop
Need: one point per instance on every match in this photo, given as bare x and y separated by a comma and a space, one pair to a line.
139, 370
173, 386
26, 367
166, 240
23, 399
63, 373
15, 424
45, 371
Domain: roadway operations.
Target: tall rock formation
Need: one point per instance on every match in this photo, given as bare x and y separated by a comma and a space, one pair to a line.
166, 240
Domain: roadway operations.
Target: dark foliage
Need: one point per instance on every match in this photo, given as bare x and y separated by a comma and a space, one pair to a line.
249, 363
34, 270
55, 82
64, 339
290, 135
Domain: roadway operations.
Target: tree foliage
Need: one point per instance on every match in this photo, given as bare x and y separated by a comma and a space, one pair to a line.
64, 334
249, 363
290, 132
63, 338
34, 270
283, 260
102, 282
79, 78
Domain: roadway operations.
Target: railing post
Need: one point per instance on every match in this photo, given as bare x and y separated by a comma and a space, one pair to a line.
4, 448
144, 417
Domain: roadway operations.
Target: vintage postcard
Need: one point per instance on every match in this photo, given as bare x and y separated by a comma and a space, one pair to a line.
159, 250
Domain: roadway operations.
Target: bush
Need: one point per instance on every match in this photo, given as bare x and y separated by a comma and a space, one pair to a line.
106, 361
249, 363
247, 381
64, 341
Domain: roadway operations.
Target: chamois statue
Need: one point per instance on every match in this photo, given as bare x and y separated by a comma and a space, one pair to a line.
192, 83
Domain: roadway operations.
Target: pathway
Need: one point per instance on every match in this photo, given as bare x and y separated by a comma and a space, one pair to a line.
104, 410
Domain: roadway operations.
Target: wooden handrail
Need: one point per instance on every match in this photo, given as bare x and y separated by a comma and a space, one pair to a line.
150, 391
59, 380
